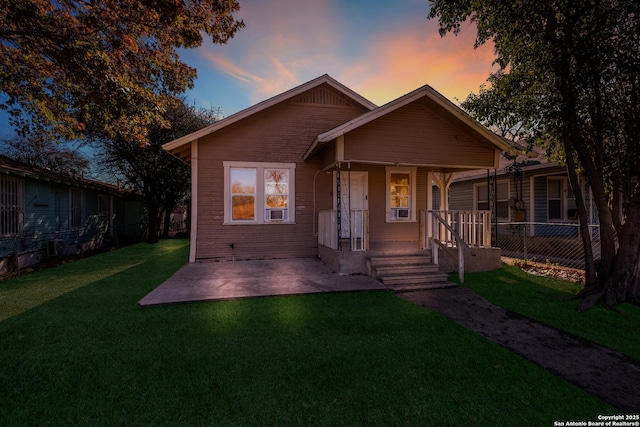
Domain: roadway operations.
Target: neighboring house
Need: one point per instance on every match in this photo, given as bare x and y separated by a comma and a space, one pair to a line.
530, 196
44, 214
321, 171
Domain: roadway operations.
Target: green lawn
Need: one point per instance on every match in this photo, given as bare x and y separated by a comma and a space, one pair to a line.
83, 352
549, 300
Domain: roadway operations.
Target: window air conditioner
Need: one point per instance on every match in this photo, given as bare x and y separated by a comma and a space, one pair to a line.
56, 247
276, 214
403, 213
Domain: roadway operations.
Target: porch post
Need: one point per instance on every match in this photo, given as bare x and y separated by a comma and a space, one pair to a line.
338, 206
428, 223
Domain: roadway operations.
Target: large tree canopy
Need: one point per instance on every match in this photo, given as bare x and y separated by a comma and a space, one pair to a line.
570, 74
162, 179
47, 154
108, 65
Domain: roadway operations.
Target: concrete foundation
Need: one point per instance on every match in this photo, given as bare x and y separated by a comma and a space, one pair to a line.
486, 259
355, 262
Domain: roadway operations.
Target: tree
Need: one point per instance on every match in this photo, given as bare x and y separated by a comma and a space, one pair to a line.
111, 66
162, 179
578, 64
47, 154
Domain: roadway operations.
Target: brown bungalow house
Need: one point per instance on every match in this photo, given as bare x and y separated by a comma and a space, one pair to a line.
321, 171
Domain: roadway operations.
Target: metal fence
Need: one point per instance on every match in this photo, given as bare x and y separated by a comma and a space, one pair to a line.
553, 243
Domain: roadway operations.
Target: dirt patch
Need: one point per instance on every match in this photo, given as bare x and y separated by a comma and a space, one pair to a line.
549, 270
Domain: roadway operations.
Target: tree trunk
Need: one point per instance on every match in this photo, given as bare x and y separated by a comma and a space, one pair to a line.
154, 223
168, 209
621, 281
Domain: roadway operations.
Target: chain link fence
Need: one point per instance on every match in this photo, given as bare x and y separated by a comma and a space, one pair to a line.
551, 243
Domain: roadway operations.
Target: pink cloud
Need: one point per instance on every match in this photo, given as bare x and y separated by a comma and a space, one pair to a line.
395, 65
281, 41
288, 42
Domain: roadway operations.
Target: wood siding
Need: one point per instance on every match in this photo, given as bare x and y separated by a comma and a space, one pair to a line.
279, 134
380, 231
417, 134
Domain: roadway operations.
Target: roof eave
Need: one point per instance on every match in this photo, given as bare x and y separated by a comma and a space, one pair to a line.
324, 79
417, 94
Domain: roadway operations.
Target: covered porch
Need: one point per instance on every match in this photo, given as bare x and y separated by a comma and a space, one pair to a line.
371, 222
390, 170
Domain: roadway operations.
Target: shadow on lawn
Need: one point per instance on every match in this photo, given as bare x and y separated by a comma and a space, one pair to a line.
123, 266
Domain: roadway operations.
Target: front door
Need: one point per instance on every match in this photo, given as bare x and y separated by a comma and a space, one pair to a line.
353, 204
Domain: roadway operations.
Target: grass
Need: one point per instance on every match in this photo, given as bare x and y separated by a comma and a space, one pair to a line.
87, 354
548, 300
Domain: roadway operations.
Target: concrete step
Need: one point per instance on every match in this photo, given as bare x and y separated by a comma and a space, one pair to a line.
411, 279
406, 269
421, 286
400, 260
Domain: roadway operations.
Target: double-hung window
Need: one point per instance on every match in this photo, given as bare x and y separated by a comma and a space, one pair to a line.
484, 201
561, 202
401, 194
259, 193
11, 205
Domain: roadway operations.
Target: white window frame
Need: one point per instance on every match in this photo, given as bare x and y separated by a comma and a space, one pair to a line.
261, 215
11, 205
490, 202
392, 213
565, 190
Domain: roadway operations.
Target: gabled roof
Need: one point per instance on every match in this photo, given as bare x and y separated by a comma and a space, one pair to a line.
10, 166
533, 160
425, 91
325, 79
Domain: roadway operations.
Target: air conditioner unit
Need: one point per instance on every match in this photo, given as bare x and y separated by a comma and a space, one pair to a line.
56, 247
403, 213
276, 214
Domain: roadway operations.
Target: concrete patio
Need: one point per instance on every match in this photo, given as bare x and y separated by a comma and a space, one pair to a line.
212, 281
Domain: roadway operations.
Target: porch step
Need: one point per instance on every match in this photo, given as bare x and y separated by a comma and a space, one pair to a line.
414, 271
413, 279
422, 286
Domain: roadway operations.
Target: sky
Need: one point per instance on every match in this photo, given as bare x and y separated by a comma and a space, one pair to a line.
381, 49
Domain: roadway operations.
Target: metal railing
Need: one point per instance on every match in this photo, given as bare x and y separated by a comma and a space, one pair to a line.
550, 242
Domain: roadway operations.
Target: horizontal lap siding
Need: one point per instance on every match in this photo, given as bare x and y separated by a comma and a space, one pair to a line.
415, 134
379, 229
461, 195
279, 134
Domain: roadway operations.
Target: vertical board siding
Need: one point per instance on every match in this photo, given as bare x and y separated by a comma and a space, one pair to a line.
416, 134
279, 134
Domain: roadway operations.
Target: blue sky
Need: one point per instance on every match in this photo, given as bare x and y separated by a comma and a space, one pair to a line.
382, 49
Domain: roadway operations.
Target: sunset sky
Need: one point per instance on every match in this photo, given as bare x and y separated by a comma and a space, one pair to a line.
381, 49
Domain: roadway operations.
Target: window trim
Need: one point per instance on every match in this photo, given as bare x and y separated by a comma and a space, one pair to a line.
18, 226
565, 189
260, 213
412, 172
72, 225
489, 202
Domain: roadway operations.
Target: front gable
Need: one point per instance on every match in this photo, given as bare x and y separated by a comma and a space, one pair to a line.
421, 128
418, 134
